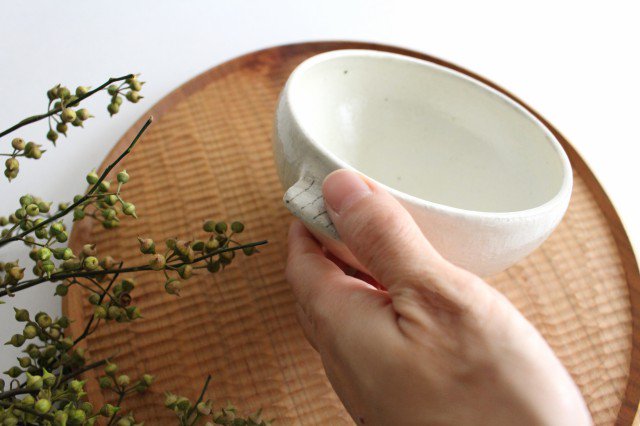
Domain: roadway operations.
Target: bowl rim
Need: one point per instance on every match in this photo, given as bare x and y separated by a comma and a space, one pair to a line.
559, 200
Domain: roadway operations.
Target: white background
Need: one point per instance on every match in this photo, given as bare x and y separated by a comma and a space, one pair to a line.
575, 62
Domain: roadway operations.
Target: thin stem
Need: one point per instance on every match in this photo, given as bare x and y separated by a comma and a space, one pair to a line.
64, 275
121, 396
93, 189
86, 331
54, 111
200, 398
81, 370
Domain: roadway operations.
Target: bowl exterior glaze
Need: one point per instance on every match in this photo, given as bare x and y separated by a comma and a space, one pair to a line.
482, 242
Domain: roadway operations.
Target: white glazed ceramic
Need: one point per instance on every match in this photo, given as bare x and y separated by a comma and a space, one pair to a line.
483, 178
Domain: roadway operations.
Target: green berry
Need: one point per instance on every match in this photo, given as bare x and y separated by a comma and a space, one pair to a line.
77, 417
113, 108
147, 379
87, 407
183, 403
123, 380
105, 382
107, 262
89, 250
248, 251
56, 228
76, 386
28, 400
16, 340
78, 213
112, 90
203, 408
92, 178
129, 209
157, 262
173, 286
62, 128
24, 361
100, 312
52, 135
34, 382
43, 319
185, 271
123, 177
61, 418
16, 273
237, 227
108, 410
133, 96
62, 253
209, 226
91, 263
48, 379
12, 164
43, 406
147, 245
213, 267
170, 400
63, 93
135, 85
221, 227
30, 331
110, 199
13, 372
109, 214
81, 91
53, 93
68, 115
44, 253
32, 210
21, 314
63, 322
111, 368
83, 114
43, 207
18, 143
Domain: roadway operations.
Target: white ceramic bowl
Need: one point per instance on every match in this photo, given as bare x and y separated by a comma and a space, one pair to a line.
483, 178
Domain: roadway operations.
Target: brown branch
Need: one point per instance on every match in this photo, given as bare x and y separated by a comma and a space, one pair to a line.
64, 275
54, 111
8, 404
85, 333
81, 370
69, 209
16, 391
204, 390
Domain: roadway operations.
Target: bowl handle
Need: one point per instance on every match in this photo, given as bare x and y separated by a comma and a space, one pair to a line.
304, 199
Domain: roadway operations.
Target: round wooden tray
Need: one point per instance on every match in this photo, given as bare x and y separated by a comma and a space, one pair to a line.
208, 155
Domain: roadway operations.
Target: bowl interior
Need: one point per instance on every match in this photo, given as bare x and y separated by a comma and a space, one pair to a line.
427, 131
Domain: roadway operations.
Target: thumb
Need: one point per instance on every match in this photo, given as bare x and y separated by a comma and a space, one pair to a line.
381, 234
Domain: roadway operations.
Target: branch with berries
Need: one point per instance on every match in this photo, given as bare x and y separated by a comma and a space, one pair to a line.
45, 385
61, 113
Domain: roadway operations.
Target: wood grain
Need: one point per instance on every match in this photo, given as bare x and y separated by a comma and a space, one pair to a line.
208, 155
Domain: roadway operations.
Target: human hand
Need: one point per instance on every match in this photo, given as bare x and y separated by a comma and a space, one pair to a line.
415, 339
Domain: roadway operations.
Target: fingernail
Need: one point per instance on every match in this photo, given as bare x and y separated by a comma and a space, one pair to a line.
343, 188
